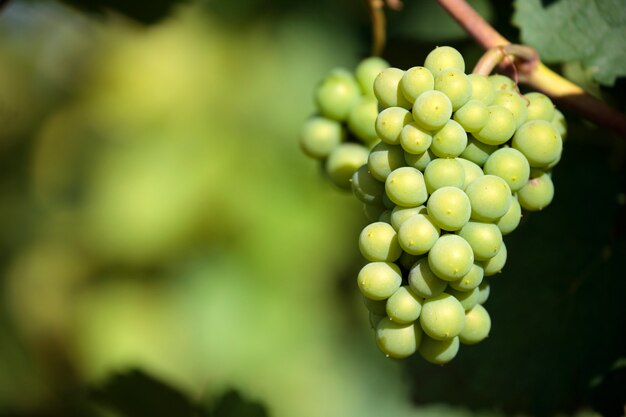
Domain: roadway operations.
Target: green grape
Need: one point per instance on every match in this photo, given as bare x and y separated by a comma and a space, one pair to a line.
387, 91
405, 187
512, 101
438, 352
376, 318
336, 94
390, 122
472, 171
484, 291
379, 242
539, 141
477, 151
511, 218
559, 123
418, 234
407, 260
431, 110
343, 161
451, 257
477, 326
510, 165
378, 307
415, 81
538, 192
404, 306
456, 85
472, 116
372, 212
401, 214
415, 140
444, 57
482, 90
470, 280
468, 299
444, 172
494, 265
362, 119
502, 83
490, 198
484, 238
319, 136
499, 128
397, 340
379, 280
367, 71
449, 207
420, 161
449, 141
383, 159
540, 107
442, 317
385, 217
367, 188
423, 281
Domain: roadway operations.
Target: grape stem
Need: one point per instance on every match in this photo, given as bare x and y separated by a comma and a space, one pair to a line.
379, 23
531, 70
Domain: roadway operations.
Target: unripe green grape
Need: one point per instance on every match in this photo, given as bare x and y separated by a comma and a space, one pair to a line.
420, 161
470, 280
379, 280
451, 257
456, 85
376, 306
537, 193
444, 57
343, 161
372, 211
406, 260
449, 208
477, 326
379, 242
319, 136
468, 299
539, 141
444, 172
385, 217
405, 187
512, 101
442, 317
362, 119
502, 83
431, 110
482, 90
472, 171
540, 107
336, 94
367, 188
390, 122
418, 234
397, 340
438, 352
511, 218
415, 140
404, 306
423, 281
510, 165
449, 141
383, 159
559, 123
494, 265
401, 214
484, 291
415, 81
472, 116
387, 89
490, 198
484, 238
499, 128
367, 71
477, 151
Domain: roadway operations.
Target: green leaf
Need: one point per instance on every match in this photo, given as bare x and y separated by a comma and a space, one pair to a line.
592, 32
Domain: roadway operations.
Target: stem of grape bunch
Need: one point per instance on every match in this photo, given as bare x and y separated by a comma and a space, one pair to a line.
379, 22
530, 70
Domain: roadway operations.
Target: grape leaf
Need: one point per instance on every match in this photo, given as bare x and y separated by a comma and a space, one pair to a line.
592, 32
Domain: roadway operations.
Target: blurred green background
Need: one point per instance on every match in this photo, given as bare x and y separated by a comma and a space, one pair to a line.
167, 250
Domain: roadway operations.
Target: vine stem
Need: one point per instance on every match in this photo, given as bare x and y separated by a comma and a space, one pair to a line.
532, 71
379, 22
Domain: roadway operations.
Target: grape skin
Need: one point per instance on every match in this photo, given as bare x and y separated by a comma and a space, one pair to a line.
451, 257
401, 214
449, 141
510, 165
424, 282
490, 198
494, 265
336, 94
367, 71
386, 89
415, 81
390, 123
537, 193
383, 159
442, 317
367, 188
449, 207
418, 234
444, 172
485, 239
473, 115
379, 280
432, 110
539, 141
361, 119
320, 135
477, 326
444, 57
379, 242
404, 306
397, 340
343, 161
405, 187
415, 140
438, 352
470, 280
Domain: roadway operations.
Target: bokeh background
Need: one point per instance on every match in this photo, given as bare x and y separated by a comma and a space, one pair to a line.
166, 250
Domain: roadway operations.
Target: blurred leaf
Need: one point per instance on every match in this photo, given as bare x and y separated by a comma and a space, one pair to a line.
148, 13
593, 32
608, 393
231, 404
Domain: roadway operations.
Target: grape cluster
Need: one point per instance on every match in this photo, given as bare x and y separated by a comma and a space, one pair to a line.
460, 157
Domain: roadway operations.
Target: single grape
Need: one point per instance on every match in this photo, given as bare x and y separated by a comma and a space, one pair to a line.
383, 159
472, 171
415, 140
438, 352
319, 136
510, 165
405, 187
431, 110
401, 214
423, 281
420, 161
444, 57
397, 340
472, 116
343, 161
406, 260
367, 188
538, 192
470, 280
482, 90
449, 141
512, 101
362, 119
456, 85
376, 306
494, 265
539, 141
499, 128
477, 151
511, 218
387, 91
415, 81
404, 306
372, 211
451, 257
444, 172
367, 71
379, 280
484, 290
449, 207
484, 238
477, 326
418, 234
442, 317
540, 107
559, 123
336, 94
490, 198
379, 242
468, 299
390, 122
502, 83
